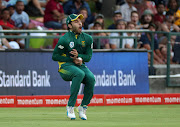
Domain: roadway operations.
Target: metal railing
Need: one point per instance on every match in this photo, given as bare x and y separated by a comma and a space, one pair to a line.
27, 37
168, 79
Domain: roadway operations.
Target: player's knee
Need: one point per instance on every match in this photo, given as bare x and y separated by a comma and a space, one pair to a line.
80, 74
91, 79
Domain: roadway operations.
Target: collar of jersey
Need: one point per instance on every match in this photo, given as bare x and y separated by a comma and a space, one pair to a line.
74, 34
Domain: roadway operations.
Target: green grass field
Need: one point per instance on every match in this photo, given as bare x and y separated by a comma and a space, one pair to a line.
109, 116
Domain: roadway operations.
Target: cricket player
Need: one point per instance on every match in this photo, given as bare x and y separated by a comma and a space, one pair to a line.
72, 51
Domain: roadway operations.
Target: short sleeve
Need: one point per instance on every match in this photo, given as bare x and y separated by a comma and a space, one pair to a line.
25, 19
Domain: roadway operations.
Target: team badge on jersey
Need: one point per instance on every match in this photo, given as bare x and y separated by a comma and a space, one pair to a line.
71, 44
83, 43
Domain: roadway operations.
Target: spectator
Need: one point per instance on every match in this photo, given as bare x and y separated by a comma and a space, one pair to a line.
21, 21
98, 4
126, 10
64, 27
1, 6
98, 18
115, 43
54, 14
20, 42
135, 18
4, 3
104, 42
164, 2
74, 6
119, 3
129, 42
4, 44
9, 45
116, 16
146, 40
20, 18
95, 5
11, 9
84, 12
169, 23
5, 21
159, 17
144, 5
169, 26
35, 3
175, 8
146, 19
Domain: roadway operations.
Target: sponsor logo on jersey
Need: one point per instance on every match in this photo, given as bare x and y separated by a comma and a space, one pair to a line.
71, 44
61, 47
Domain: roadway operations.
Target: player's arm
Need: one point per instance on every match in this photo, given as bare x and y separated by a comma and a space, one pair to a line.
58, 52
88, 54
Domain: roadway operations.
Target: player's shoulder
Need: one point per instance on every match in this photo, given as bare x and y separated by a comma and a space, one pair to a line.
87, 36
65, 37
63, 40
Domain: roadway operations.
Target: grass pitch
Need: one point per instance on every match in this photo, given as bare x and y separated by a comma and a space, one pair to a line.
107, 116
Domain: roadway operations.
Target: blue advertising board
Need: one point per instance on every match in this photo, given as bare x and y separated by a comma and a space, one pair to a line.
35, 73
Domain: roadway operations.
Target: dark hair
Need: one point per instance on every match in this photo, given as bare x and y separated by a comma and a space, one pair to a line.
82, 1
170, 7
169, 13
95, 20
68, 24
99, 24
131, 23
143, 21
19, 1
120, 20
134, 12
83, 8
160, 3
5, 9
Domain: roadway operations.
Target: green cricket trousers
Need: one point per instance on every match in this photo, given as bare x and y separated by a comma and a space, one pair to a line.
78, 75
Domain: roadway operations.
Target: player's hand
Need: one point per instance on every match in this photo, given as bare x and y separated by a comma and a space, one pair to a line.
74, 53
78, 61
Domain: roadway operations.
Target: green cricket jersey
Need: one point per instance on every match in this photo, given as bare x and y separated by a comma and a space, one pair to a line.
83, 43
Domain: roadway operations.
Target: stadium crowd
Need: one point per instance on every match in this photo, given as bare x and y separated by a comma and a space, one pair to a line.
155, 15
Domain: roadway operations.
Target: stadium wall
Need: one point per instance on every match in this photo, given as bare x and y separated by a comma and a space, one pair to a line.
121, 79
24, 73
157, 82
97, 100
